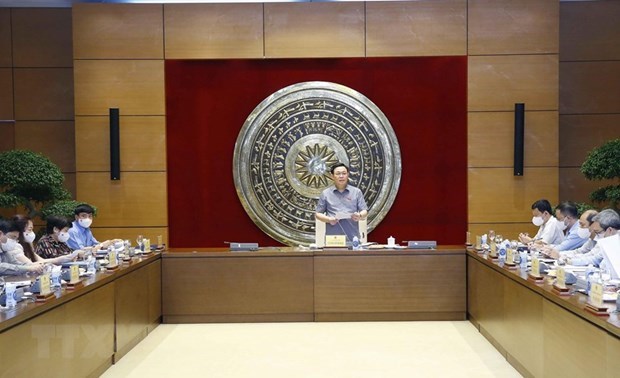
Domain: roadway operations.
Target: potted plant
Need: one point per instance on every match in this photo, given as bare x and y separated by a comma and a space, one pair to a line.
603, 163
33, 181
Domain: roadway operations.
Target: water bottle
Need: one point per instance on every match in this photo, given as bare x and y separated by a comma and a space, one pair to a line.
588, 275
91, 268
355, 243
502, 255
9, 291
523, 262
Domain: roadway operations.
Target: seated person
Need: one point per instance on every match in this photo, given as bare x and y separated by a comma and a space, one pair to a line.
54, 243
604, 224
80, 234
9, 233
341, 200
585, 223
24, 251
569, 221
548, 232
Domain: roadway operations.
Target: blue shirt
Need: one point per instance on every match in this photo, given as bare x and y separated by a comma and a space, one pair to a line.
572, 240
80, 237
342, 205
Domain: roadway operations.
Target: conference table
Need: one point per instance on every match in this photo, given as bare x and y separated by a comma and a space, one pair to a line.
81, 332
292, 284
540, 333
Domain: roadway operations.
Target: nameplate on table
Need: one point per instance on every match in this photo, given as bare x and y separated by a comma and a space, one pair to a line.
559, 287
45, 286
45, 290
478, 245
534, 274
595, 301
335, 240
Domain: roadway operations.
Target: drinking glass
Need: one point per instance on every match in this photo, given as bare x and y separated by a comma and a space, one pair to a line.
140, 240
1, 285
492, 235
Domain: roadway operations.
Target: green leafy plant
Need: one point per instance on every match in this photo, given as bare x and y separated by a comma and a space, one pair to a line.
33, 181
603, 163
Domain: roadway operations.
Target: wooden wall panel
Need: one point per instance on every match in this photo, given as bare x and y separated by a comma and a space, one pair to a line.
137, 199
308, 30
42, 37
491, 139
418, 28
523, 312
118, 31
613, 351
7, 136
213, 31
495, 195
564, 333
512, 27
54, 139
136, 87
129, 233
43, 94
6, 93
70, 183
507, 230
498, 82
142, 142
575, 187
579, 134
6, 51
590, 87
589, 30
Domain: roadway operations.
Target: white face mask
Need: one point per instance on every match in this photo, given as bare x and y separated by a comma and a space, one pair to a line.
562, 226
9, 245
583, 232
29, 236
538, 221
85, 222
63, 237
598, 237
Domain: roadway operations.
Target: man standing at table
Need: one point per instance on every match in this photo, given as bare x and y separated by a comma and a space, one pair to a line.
341, 205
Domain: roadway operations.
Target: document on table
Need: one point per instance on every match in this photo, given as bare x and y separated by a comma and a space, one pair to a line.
611, 252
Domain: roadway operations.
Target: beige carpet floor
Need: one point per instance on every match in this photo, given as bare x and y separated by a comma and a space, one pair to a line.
361, 349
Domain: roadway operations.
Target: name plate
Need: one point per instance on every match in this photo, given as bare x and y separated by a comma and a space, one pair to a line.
596, 294
535, 267
335, 240
160, 241
45, 285
478, 242
75, 274
112, 261
510, 256
560, 278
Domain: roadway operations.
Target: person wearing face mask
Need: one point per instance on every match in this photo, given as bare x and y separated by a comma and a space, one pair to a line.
24, 251
585, 223
54, 243
604, 224
570, 225
9, 233
80, 235
548, 231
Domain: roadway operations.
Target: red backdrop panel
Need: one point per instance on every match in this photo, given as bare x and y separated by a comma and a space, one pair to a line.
207, 103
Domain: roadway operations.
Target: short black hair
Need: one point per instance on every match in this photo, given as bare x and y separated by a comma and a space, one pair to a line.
338, 165
21, 221
58, 222
84, 208
5, 225
542, 205
568, 208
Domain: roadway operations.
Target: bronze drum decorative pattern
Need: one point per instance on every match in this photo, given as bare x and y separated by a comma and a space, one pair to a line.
288, 143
